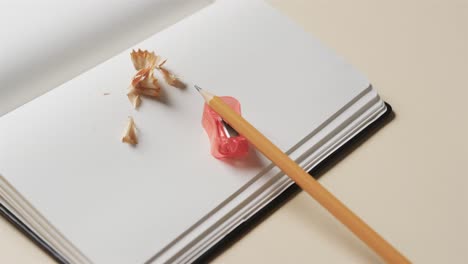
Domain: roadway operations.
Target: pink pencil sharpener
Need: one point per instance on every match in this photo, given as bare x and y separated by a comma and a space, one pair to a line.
225, 141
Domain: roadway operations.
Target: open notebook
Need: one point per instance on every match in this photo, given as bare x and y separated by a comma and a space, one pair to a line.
65, 175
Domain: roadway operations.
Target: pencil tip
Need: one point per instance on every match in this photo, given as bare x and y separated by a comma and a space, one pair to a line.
205, 94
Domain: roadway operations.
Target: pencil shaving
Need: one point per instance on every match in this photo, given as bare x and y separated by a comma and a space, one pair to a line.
144, 78
130, 136
143, 83
134, 98
148, 91
143, 59
170, 78
162, 63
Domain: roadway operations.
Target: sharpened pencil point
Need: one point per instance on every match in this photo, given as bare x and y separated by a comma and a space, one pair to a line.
206, 95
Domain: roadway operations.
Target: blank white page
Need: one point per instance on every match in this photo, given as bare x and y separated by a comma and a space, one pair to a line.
122, 204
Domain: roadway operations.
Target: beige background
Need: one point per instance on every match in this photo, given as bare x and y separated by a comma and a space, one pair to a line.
409, 180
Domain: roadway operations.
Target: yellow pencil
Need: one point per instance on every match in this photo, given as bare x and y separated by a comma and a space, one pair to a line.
304, 180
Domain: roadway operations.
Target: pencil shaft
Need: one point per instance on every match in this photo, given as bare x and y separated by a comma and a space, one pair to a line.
308, 183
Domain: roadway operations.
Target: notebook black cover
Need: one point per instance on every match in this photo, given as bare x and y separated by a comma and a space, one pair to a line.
246, 226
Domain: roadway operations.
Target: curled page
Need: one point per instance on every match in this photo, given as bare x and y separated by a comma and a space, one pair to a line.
57, 44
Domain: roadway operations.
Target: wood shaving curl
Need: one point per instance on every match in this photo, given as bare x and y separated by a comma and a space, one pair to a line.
144, 82
170, 78
134, 98
143, 59
130, 136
